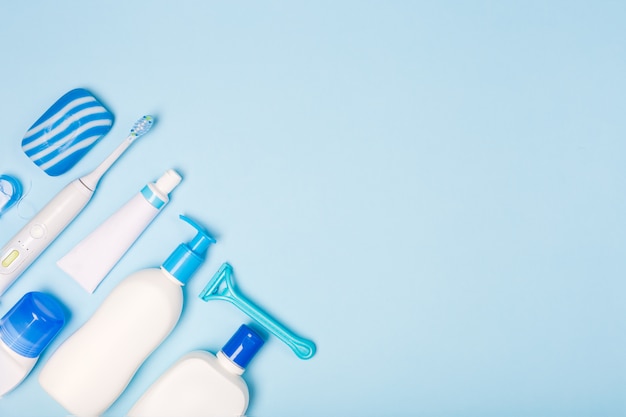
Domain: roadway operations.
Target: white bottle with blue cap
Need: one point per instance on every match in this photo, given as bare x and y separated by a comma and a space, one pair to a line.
201, 384
25, 331
92, 367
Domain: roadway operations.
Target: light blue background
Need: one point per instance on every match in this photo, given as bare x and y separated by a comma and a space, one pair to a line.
434, 192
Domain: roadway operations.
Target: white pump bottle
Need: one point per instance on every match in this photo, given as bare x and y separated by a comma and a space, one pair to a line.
90, 370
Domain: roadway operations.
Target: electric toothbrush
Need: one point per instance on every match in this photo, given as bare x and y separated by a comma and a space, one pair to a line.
24, 248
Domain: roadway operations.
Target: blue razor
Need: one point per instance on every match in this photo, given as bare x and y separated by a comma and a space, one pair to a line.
222, 287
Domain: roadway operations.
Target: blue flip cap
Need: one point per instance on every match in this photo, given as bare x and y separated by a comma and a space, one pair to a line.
31, 324
242, 347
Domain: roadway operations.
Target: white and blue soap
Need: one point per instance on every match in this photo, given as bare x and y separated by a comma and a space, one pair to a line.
67, 131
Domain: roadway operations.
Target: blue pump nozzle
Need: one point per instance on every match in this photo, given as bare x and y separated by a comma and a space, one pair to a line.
187, 257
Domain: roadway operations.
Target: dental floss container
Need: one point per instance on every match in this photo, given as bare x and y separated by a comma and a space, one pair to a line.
201, 384
89, 262
10, 192
90, 370
25, 331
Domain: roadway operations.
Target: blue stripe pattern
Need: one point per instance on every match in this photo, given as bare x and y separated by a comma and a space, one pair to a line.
67, 131
152, 198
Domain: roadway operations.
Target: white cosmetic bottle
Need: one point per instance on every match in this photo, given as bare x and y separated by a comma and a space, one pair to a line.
201, 384
89, 262
25, 331
89, 371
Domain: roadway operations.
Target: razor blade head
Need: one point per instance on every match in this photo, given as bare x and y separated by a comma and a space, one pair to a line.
220, 286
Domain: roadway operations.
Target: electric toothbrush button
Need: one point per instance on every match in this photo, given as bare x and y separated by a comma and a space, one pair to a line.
37, 231
8, 260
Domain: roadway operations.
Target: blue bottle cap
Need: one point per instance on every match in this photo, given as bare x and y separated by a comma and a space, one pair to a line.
187, 257
242, 347
31, 324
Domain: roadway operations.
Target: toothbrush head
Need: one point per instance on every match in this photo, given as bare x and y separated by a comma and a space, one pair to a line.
141, 126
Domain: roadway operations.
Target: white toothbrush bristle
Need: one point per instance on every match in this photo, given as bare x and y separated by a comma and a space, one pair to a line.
142, 126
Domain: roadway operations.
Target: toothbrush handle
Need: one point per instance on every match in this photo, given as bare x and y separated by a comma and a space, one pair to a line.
91, 180
303, 348
24, 248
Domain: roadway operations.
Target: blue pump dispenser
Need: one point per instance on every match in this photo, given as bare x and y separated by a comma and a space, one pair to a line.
187, 257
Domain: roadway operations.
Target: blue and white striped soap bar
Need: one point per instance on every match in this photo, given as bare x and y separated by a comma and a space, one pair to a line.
66, 132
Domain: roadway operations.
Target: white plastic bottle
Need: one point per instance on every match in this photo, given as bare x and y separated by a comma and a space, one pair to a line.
92, 367
25, 331
91, 259
201, 384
